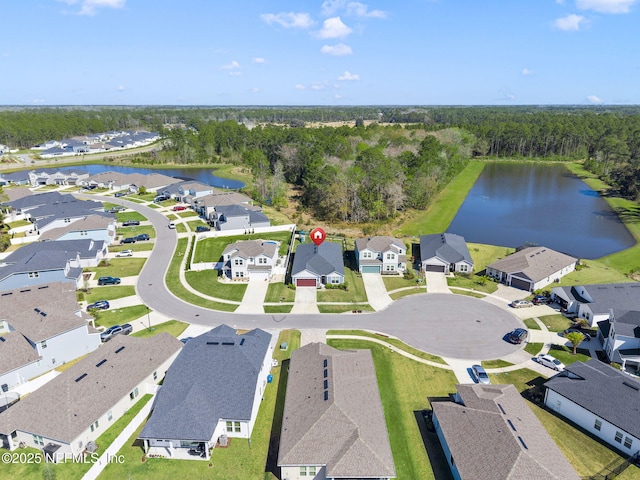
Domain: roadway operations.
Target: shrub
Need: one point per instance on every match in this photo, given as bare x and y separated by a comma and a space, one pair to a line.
409, 274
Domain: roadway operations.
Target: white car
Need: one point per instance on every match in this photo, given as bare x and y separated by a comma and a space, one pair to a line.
551, 362
124, 253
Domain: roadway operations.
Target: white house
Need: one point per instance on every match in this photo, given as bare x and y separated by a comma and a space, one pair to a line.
69, 413
95, 227
381, 254
601, 399
532, 268
445, 252
620, 338
42, 328
211, 392
252, 259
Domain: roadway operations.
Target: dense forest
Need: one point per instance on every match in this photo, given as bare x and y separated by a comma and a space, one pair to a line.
352, 172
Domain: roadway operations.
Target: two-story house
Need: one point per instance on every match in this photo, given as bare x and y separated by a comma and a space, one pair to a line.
252, 259
381, 254
238, 217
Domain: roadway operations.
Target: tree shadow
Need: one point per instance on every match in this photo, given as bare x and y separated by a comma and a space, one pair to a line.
276, 426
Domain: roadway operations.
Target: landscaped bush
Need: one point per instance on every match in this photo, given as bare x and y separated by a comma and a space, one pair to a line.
409, 274
342, 286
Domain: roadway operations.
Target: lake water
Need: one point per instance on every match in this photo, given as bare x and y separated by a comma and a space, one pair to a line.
539, 204
204, 175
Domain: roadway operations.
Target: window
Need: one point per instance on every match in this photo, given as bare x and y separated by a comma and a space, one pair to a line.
366, 254
83, 232
390, 256
155, 375
229, 426
110, 415
43, 345
238, 261
463, 268
38, 440
618, 437
134, 394
237, 427
598, 425
627, 442
239, 274
33, 274
303, 471
311, 470
67, 220
262, 260
389, 268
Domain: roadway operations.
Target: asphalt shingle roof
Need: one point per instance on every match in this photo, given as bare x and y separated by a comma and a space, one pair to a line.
321, 260
380, 244
535, 263
448, 247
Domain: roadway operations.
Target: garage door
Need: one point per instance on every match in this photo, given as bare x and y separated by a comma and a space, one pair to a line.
305, 282
370, 269
434, 268
258, 275
518, 283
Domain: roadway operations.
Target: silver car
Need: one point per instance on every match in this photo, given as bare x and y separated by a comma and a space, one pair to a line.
480, 374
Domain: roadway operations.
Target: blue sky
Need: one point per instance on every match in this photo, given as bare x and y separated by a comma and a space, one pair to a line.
336, 52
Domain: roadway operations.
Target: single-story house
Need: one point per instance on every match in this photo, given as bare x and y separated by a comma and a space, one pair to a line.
333, 424
445, 252
153, 182
25, 203
314, 266
252, 259
14, 178
381, 254
48, 217
601, 399
238, 217
212, 390
76, 407
490, 433
532, 268
95, 227
41, 328
594, 303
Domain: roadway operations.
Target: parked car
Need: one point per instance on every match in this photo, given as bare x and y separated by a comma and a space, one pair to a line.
480, 374
202, 228
129, 240
551, 362
185, 339
100, 305
518, 336
179, 208
540, 300
108, 281
521, 304
127, 328
131, 223
587, 337
111, 332
141, 237
160, 198
172, 225
120, 194
124, 253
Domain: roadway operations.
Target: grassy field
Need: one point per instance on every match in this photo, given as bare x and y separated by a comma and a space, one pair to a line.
495, 363
107, 318
136, 247
556, 323
118, 267
595, 271
482, 256
124, 216
406, 386
110, 292
441, 212
206, 281
355, 292
124, 232
279, 291
173, 327
210, 249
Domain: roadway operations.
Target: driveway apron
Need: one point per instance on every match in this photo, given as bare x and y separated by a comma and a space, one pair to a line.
437, 283
254, 297
306, 300
377, 294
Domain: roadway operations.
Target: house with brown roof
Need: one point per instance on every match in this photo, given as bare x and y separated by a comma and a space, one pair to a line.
490, 433
95, 227
252, 259
333, 423
381, 254
67, 415
532, 268
41, 328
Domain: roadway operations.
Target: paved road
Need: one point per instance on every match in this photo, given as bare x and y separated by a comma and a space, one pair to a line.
453, 326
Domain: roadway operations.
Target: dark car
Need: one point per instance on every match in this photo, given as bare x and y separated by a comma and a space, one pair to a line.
120, 194
160, 198
202, 228
142, 236
111, 332
131, 223
540, 300
100, 305
518, 336
108, 281
186, 339
127, 328
587, 337
129, 240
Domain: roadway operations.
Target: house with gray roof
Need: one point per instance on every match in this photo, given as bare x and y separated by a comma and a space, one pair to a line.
211, 392
129, 181
56, 177
14, 178
206, 205
47, 262
41, 328
314, 266
251, 259
445, 252
238, 217
620, 338
333, 424
187, 190
96, 227
532, 268
381, 254
68, 414
490, 433
601, 399
25, 203
56, 215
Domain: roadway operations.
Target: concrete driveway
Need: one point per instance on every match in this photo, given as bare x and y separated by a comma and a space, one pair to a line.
306, 300
254, 297
437, 282
377, 294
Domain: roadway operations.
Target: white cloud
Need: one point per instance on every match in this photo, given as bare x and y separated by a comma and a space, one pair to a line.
349, 76
317, 86
300, 87
605, 6
329, 7
570, 23
361, 10
90, 7
235, 73
258, 60
121, 88
37, 101
337, 96
526, 72
338, 50
254, 90
288, 20
595, 99
334, 28
231, 66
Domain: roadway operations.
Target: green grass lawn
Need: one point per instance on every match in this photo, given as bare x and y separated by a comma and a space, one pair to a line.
124, 216
124, 232
405, 386
363, 307
393, 282
596, 271
18, 223
482, 256
566, 356
438, 216
277, 308
187, 214
355, 292
143, 246
404, 293
196, 223
110, 292
495, 363
118, 267
279, 291
206, 281
556, 323
532, 324
107, 318
210, 249
240, 461
175, 286
181, 228
173, 327
533, 348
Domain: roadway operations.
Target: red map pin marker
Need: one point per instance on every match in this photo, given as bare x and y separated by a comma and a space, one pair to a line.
318, 235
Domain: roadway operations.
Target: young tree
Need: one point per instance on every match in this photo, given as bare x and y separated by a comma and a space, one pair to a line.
575, 338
